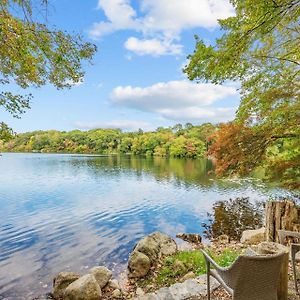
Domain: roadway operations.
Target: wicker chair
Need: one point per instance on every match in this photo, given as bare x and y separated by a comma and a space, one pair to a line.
250, 277
295, 248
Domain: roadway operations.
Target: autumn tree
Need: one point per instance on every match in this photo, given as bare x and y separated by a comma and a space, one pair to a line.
32, 53
259, 48
237, 148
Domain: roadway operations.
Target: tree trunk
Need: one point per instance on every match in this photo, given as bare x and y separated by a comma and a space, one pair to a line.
274, 248
280, 215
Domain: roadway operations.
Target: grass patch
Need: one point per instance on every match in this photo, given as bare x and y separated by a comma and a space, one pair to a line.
176, 266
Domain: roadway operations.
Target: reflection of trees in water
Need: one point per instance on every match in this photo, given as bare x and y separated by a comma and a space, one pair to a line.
186, 171
232, 217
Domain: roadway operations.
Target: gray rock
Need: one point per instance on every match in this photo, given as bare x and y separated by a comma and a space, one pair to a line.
153, 247
166, 244
253, 236
114, 284
190, 237
116, 294
150, 296
61, 282
194, 288
164, 294
84, 288
191, 288
102, 275
138, 264
150, 247
179, 291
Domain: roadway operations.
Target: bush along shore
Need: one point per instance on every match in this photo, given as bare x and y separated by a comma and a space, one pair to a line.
157, 269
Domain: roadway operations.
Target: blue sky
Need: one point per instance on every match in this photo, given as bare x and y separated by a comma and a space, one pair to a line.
136, 78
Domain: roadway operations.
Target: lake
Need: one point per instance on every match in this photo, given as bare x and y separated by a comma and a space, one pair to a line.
71, 212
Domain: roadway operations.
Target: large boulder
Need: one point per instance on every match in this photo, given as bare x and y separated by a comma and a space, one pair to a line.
84, 288
61, 281
167, 245
253, 236
102, 275
139, 264
148, 251
150, 247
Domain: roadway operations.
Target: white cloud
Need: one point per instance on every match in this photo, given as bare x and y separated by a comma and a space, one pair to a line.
153, 47
159, 21
178, 100
127, 125
211, 114
173, 16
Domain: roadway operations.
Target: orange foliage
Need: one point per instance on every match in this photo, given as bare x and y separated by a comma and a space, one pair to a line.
237, 149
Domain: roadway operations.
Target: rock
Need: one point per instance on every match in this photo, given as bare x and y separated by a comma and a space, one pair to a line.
179, 266
114, 284
150, 247
102, 275
190, 237
153, 247
139, 292
150, 296
164, 294
189, 275
166, 244
61, 282
138, 264
116, 294
224, 239
253, 236
84, 288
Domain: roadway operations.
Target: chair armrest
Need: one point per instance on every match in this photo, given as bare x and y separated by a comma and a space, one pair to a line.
211, 261
250, 252
282, 234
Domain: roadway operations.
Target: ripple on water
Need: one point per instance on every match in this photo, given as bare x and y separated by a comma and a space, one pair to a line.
65, 212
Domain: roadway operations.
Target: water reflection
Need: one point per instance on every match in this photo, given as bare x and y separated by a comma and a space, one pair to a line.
232, 217
66, 212
185, 171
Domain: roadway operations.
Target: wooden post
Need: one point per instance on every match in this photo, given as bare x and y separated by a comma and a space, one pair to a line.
280, 215
274, 248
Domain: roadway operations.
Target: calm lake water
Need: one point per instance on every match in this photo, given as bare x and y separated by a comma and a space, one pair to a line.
72, 212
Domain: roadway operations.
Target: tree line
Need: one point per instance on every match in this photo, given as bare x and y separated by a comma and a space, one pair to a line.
177, 141
234, 148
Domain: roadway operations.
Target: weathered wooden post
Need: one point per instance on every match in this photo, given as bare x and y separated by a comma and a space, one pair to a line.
275, 248
280, 215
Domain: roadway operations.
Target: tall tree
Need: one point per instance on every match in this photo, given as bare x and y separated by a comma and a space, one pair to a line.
32, 53
259, 48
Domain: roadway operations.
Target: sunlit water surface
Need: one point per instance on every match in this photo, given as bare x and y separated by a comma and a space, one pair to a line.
72, 212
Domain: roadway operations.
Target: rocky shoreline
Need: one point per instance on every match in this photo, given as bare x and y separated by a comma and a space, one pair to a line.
144, 260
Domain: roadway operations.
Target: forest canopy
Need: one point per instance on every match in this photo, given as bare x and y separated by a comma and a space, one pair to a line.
258, 48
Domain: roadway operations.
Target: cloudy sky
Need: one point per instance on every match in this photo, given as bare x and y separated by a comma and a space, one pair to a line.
136, 78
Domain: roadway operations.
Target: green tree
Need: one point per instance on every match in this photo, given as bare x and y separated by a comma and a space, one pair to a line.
260, 49
6, 133
32, 53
